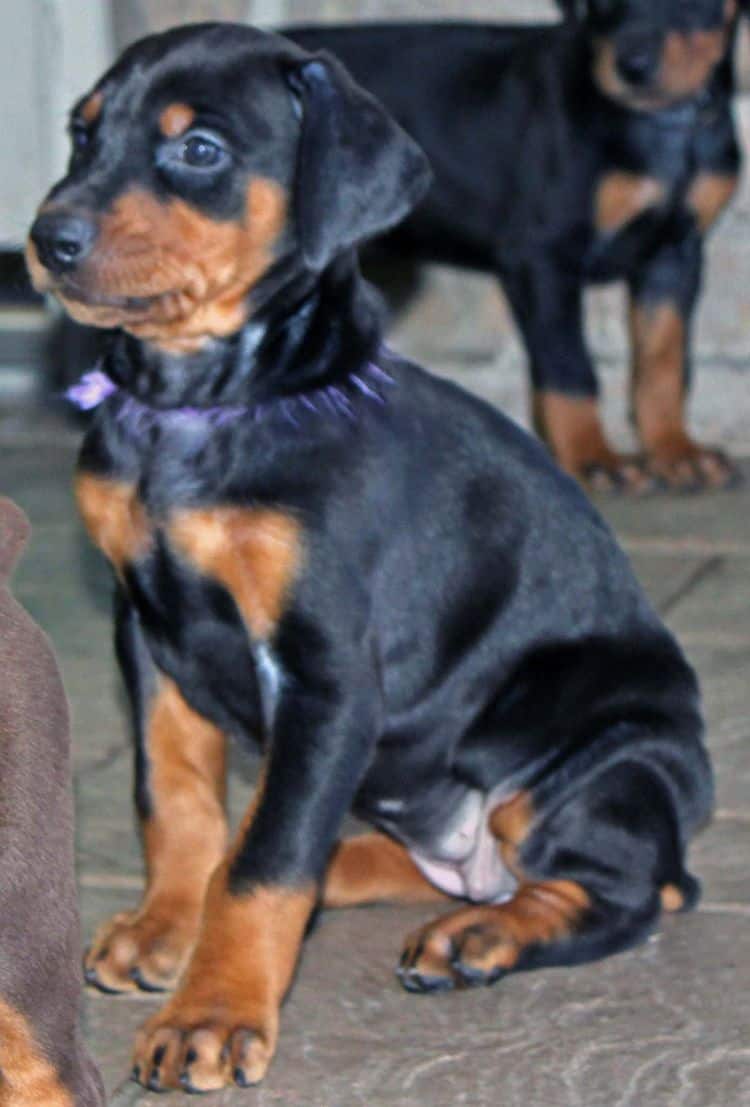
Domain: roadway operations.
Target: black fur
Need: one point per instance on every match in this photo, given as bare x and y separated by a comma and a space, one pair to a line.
461, 619
521, 136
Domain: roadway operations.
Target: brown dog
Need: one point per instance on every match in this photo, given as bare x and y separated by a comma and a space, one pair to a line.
43, 1062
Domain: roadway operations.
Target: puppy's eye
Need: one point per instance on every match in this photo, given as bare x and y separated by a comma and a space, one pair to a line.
201, 152
80, 137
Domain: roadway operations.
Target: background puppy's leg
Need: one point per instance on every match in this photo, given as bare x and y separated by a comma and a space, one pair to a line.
180, 780
373, 868
595, 872
663, 298
549, 311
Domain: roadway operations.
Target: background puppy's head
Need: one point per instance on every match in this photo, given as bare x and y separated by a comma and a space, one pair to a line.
205, 158
650, 54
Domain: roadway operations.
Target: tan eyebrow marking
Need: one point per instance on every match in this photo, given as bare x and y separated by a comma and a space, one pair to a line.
175, 119
91, 109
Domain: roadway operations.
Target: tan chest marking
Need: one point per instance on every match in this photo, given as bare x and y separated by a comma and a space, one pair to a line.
622, 197
27, 1079
114, 518
254, 553
708, 195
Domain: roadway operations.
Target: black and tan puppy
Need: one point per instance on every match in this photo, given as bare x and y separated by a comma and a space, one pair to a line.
600, 150
43, 1062
321, 548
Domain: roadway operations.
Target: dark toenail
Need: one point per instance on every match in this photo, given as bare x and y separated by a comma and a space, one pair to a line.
145, 985
92, 978
240, 1079
186, 1084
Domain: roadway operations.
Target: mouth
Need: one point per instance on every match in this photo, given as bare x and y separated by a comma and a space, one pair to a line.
650, 99
68, 289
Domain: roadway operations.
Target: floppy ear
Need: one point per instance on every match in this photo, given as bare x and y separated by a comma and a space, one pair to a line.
358, 173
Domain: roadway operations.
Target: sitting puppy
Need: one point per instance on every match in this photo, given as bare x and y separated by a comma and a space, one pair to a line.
320, 547
597, 150
42, 1057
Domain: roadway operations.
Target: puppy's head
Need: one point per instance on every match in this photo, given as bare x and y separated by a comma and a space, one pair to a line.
651, 54
207, 157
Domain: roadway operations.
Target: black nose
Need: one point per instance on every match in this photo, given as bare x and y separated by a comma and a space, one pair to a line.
638, 60
62, 239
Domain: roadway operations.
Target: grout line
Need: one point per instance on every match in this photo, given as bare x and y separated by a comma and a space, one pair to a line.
128, 1094
691, 546
709, 908
714, 641
695, 578
107, 880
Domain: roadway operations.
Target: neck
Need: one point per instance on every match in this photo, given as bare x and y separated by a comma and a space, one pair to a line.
309, 332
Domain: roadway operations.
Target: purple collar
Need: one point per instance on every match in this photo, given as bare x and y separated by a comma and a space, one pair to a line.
96, 386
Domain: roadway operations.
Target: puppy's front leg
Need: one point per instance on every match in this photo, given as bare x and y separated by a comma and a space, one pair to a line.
222, 1024
663, 298
547, 302
180, 779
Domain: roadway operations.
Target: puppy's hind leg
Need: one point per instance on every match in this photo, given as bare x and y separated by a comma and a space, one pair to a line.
373, 868
595, 873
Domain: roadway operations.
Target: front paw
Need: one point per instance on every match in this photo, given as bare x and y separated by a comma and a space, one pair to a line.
683, 465
145, 949
615, 474
201, 1045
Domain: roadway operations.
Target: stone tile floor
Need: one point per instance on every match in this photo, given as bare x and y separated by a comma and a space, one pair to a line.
667, 1025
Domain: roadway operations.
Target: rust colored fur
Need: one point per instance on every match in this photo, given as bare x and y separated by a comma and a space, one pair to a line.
373, 868
486, 941
709, 195
175, 119
622, 197
170, 274
114, 518
254, 554
259, 936
184, 840
26, 1078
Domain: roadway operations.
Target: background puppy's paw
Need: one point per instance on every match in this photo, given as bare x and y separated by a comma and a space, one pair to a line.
685, 466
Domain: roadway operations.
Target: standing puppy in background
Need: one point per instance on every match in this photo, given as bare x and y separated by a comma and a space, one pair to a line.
600, 150
321, 548
43, 1062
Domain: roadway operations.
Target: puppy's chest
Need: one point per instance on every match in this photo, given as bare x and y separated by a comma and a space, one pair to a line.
633, 212
688, 165
162, 554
